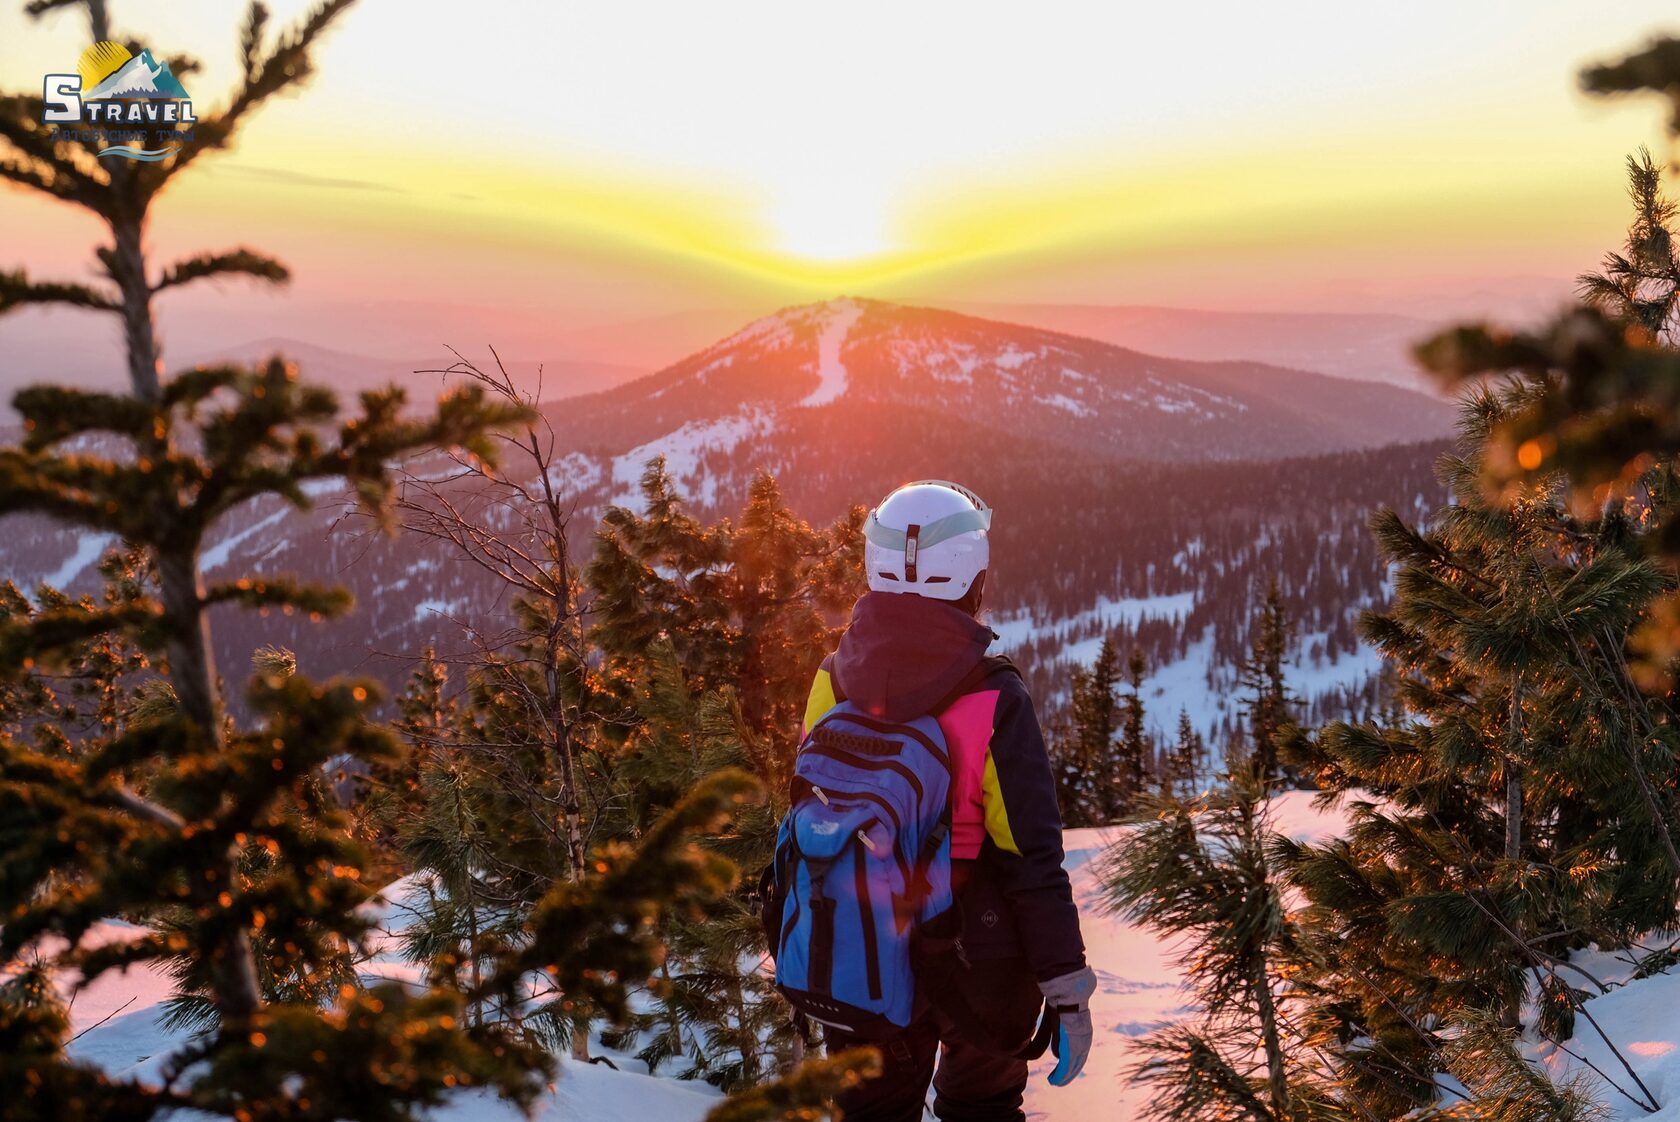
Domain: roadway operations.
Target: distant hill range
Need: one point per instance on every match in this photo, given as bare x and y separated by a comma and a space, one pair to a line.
600, 355
1372, 347
424, 379
81, 360
1145, 496
1366, 346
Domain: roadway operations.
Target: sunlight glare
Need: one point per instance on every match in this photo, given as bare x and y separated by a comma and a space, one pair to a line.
829, 225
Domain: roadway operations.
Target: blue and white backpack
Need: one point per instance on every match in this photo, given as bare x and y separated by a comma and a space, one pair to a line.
862, 869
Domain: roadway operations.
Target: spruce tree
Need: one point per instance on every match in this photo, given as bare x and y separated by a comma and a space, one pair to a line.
1101, 753
1136, 756
1094, 780
1604, 414
1182, 767
753, 605
99, 685
720, 1019
1267, 704
211, 832
1068, 769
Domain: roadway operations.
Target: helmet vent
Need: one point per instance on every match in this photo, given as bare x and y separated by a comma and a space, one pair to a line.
910, 544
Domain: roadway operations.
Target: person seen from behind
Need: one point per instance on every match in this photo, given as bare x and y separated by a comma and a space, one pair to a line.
918, 902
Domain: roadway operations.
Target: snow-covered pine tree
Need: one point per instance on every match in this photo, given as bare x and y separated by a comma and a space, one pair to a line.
1502, 832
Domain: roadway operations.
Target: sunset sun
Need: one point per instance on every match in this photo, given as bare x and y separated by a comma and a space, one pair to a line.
830, 224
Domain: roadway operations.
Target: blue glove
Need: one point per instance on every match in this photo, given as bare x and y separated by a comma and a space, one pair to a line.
1069, 998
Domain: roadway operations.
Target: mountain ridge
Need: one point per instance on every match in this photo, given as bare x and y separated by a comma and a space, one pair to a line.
1121, 402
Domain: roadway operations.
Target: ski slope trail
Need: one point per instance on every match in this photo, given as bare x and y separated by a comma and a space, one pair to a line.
831, 369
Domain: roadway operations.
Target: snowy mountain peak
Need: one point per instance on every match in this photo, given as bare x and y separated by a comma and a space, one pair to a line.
852, 354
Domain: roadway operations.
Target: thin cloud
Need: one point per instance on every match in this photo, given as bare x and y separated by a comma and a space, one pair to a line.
304, 179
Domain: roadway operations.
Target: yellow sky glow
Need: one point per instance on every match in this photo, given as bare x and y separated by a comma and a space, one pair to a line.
705, 154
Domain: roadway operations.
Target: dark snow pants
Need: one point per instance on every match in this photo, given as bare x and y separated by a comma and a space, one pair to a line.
971, 1083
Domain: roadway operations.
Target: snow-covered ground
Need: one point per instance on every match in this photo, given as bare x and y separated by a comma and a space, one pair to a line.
1138, 990
685, 451
1642, 1019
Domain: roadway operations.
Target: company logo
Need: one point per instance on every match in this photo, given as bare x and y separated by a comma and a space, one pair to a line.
130, 103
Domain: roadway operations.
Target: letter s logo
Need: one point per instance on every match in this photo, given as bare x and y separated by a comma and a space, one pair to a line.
63, 96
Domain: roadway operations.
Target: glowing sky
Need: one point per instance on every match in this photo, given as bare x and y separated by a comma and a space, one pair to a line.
571, 162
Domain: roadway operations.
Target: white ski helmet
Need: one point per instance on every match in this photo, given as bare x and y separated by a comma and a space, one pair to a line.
928, 539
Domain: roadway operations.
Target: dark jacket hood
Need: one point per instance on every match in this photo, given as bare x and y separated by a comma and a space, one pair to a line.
902, 655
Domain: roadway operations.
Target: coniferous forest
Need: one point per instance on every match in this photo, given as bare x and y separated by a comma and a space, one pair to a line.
573, 805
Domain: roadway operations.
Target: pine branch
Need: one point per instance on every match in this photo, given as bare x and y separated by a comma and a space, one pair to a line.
16, 290
244, 262
1599, 290
287, 65
1507, 1087
801, 1095
75, 175
1654, 69
30, 175
250, 41
55, 413
99, 23
181, 65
